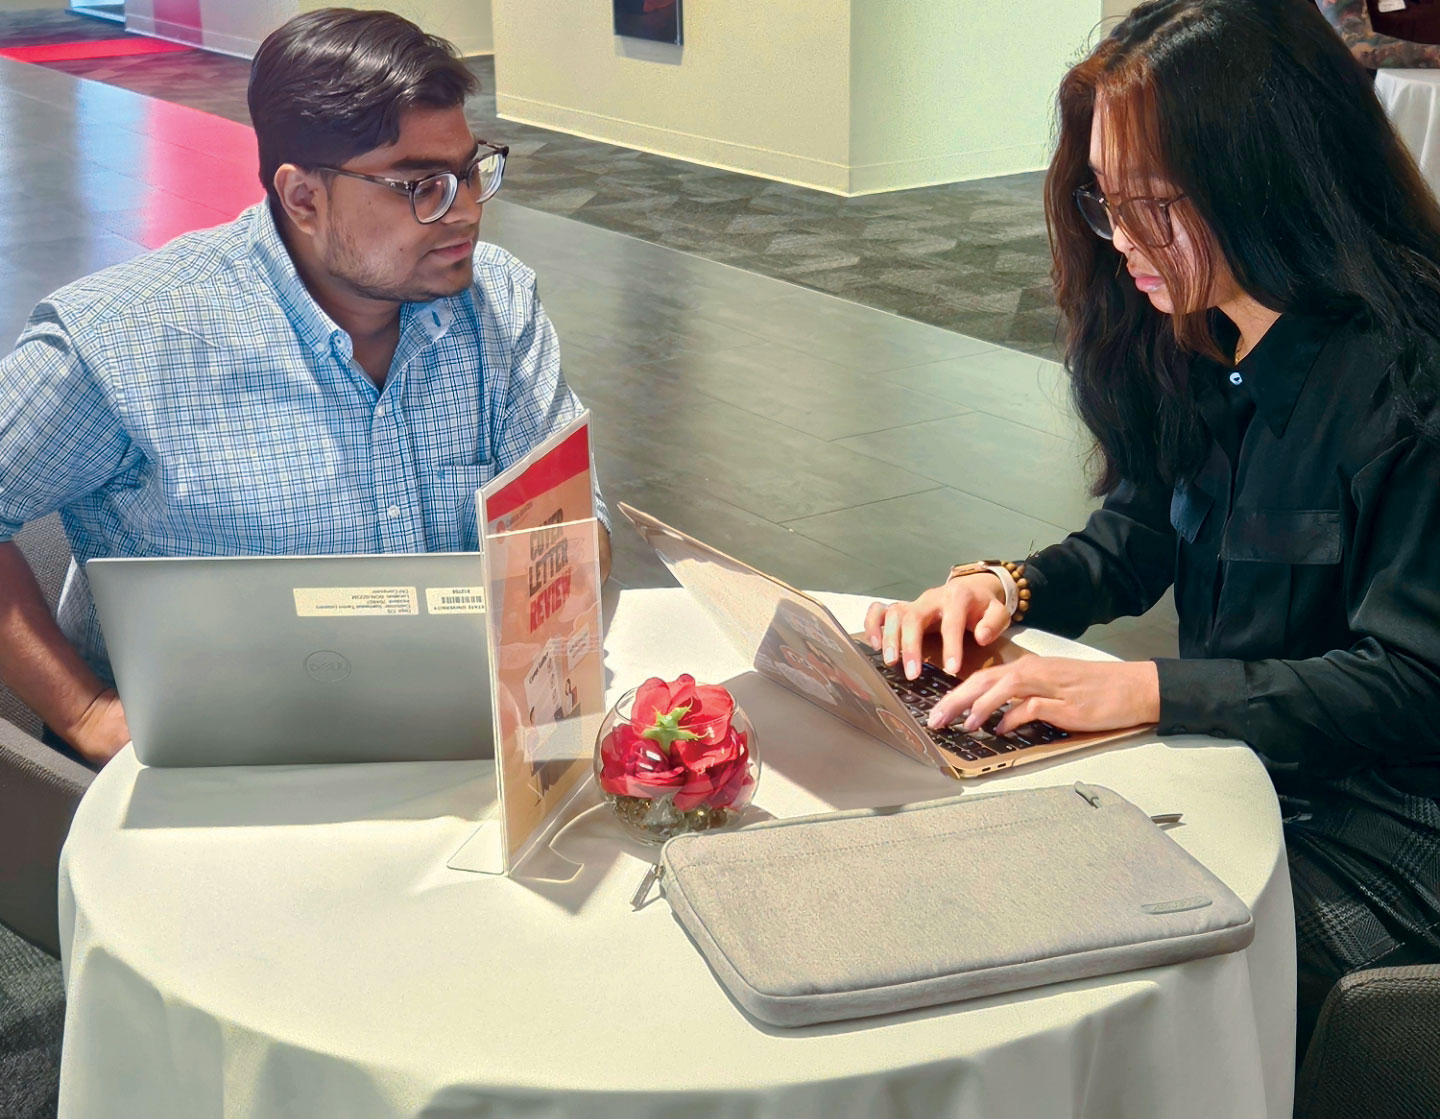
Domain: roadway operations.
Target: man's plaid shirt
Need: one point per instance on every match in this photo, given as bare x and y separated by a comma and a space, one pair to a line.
197, 401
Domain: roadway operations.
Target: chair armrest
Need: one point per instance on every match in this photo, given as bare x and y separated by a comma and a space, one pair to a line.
1376, 1049
39, 792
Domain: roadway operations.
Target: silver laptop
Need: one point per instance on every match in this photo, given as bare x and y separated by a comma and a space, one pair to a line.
277, 659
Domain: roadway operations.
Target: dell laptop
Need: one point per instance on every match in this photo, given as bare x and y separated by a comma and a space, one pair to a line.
261, 660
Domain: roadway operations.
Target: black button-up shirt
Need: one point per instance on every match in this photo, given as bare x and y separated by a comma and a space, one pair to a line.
1305, 556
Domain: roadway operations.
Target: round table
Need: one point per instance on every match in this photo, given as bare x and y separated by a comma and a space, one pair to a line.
1411, 99
288, 942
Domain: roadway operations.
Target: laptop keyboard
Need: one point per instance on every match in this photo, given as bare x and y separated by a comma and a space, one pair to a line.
919, 696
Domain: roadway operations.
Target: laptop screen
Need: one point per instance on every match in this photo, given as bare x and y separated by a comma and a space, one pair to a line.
787, 636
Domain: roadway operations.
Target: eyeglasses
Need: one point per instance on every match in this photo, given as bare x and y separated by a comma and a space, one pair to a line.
432, 196
1145, 220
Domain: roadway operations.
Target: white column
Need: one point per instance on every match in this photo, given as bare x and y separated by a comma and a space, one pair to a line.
239, 26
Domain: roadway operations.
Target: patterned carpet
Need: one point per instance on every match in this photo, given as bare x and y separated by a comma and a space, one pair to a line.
32, 1014
971, 257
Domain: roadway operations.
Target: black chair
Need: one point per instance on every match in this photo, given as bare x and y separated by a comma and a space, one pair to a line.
1376, 1048
39, 788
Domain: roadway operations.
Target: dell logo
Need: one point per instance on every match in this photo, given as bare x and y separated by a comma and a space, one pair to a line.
327, 666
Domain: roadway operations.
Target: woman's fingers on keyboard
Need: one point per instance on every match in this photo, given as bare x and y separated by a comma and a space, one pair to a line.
952, 636
951, 707
1076, 695
875, 624
902, 627
1035, 709
912, 637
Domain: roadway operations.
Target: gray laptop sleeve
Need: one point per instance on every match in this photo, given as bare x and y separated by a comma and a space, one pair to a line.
867, 912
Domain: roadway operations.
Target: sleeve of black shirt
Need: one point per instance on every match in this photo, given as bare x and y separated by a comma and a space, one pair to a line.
1378, 699
1117, 566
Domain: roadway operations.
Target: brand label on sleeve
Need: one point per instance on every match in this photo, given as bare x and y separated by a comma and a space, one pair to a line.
455, 600
355, 602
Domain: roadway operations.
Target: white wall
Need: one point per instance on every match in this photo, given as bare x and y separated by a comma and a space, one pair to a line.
850, 96
759, 86
239, 26
957, 89
229, 26
466, 23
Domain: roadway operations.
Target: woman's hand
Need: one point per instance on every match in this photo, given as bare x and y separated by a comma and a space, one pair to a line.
974, 603
1069, 694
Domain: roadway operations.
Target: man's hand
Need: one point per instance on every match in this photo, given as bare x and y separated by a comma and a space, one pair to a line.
1069, 694
46, 673
101, 731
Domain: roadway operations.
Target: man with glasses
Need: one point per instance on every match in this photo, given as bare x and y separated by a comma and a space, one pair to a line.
336, 371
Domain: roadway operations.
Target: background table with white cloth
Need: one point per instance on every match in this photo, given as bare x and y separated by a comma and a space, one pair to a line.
1412, 101
288, 943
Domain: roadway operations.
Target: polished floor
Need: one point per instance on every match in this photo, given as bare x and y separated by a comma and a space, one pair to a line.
834, 444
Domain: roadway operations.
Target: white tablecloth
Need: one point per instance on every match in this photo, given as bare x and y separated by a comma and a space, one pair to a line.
1412, 101
289, 944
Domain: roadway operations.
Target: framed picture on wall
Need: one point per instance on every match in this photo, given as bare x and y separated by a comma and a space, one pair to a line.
648, 19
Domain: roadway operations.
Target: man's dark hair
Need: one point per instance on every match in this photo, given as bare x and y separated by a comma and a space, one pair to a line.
332, 84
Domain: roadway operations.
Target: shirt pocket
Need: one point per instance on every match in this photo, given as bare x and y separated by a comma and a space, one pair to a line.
448, 493
1188, 509
1294, 537
1279, 564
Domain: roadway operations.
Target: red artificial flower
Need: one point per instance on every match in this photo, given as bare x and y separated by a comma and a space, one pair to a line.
679, 741
719, 777
637, 767
682, 710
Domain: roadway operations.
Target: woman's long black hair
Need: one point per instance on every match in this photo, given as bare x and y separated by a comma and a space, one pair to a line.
1258, 113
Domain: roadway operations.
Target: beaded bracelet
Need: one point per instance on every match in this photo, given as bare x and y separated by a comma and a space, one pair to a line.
1012, 578
1022, 589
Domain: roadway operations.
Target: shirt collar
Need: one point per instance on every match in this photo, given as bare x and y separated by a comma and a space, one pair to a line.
267, 249
317, 329
1276, 369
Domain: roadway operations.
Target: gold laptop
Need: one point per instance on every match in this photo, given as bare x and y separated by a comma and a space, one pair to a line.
794, 641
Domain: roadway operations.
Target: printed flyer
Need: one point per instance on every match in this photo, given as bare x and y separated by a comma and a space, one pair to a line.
542, 563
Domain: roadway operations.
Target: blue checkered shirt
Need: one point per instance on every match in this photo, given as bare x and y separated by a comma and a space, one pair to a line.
196, 401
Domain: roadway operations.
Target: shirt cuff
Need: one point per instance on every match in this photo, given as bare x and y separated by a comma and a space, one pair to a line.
602, 511
1203, 696
1046, 609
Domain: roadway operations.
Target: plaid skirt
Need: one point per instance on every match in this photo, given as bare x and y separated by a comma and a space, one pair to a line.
1365, 873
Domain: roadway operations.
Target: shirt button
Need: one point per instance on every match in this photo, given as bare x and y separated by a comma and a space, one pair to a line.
393, 511
381, 409
1236, 379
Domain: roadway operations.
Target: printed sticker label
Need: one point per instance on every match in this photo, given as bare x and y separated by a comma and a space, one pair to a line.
455, 600
355, 602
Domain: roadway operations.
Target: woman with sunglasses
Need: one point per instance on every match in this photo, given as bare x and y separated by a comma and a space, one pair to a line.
1248, 265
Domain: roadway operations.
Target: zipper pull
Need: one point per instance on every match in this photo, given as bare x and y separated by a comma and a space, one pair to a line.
1088, 794
652, 876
